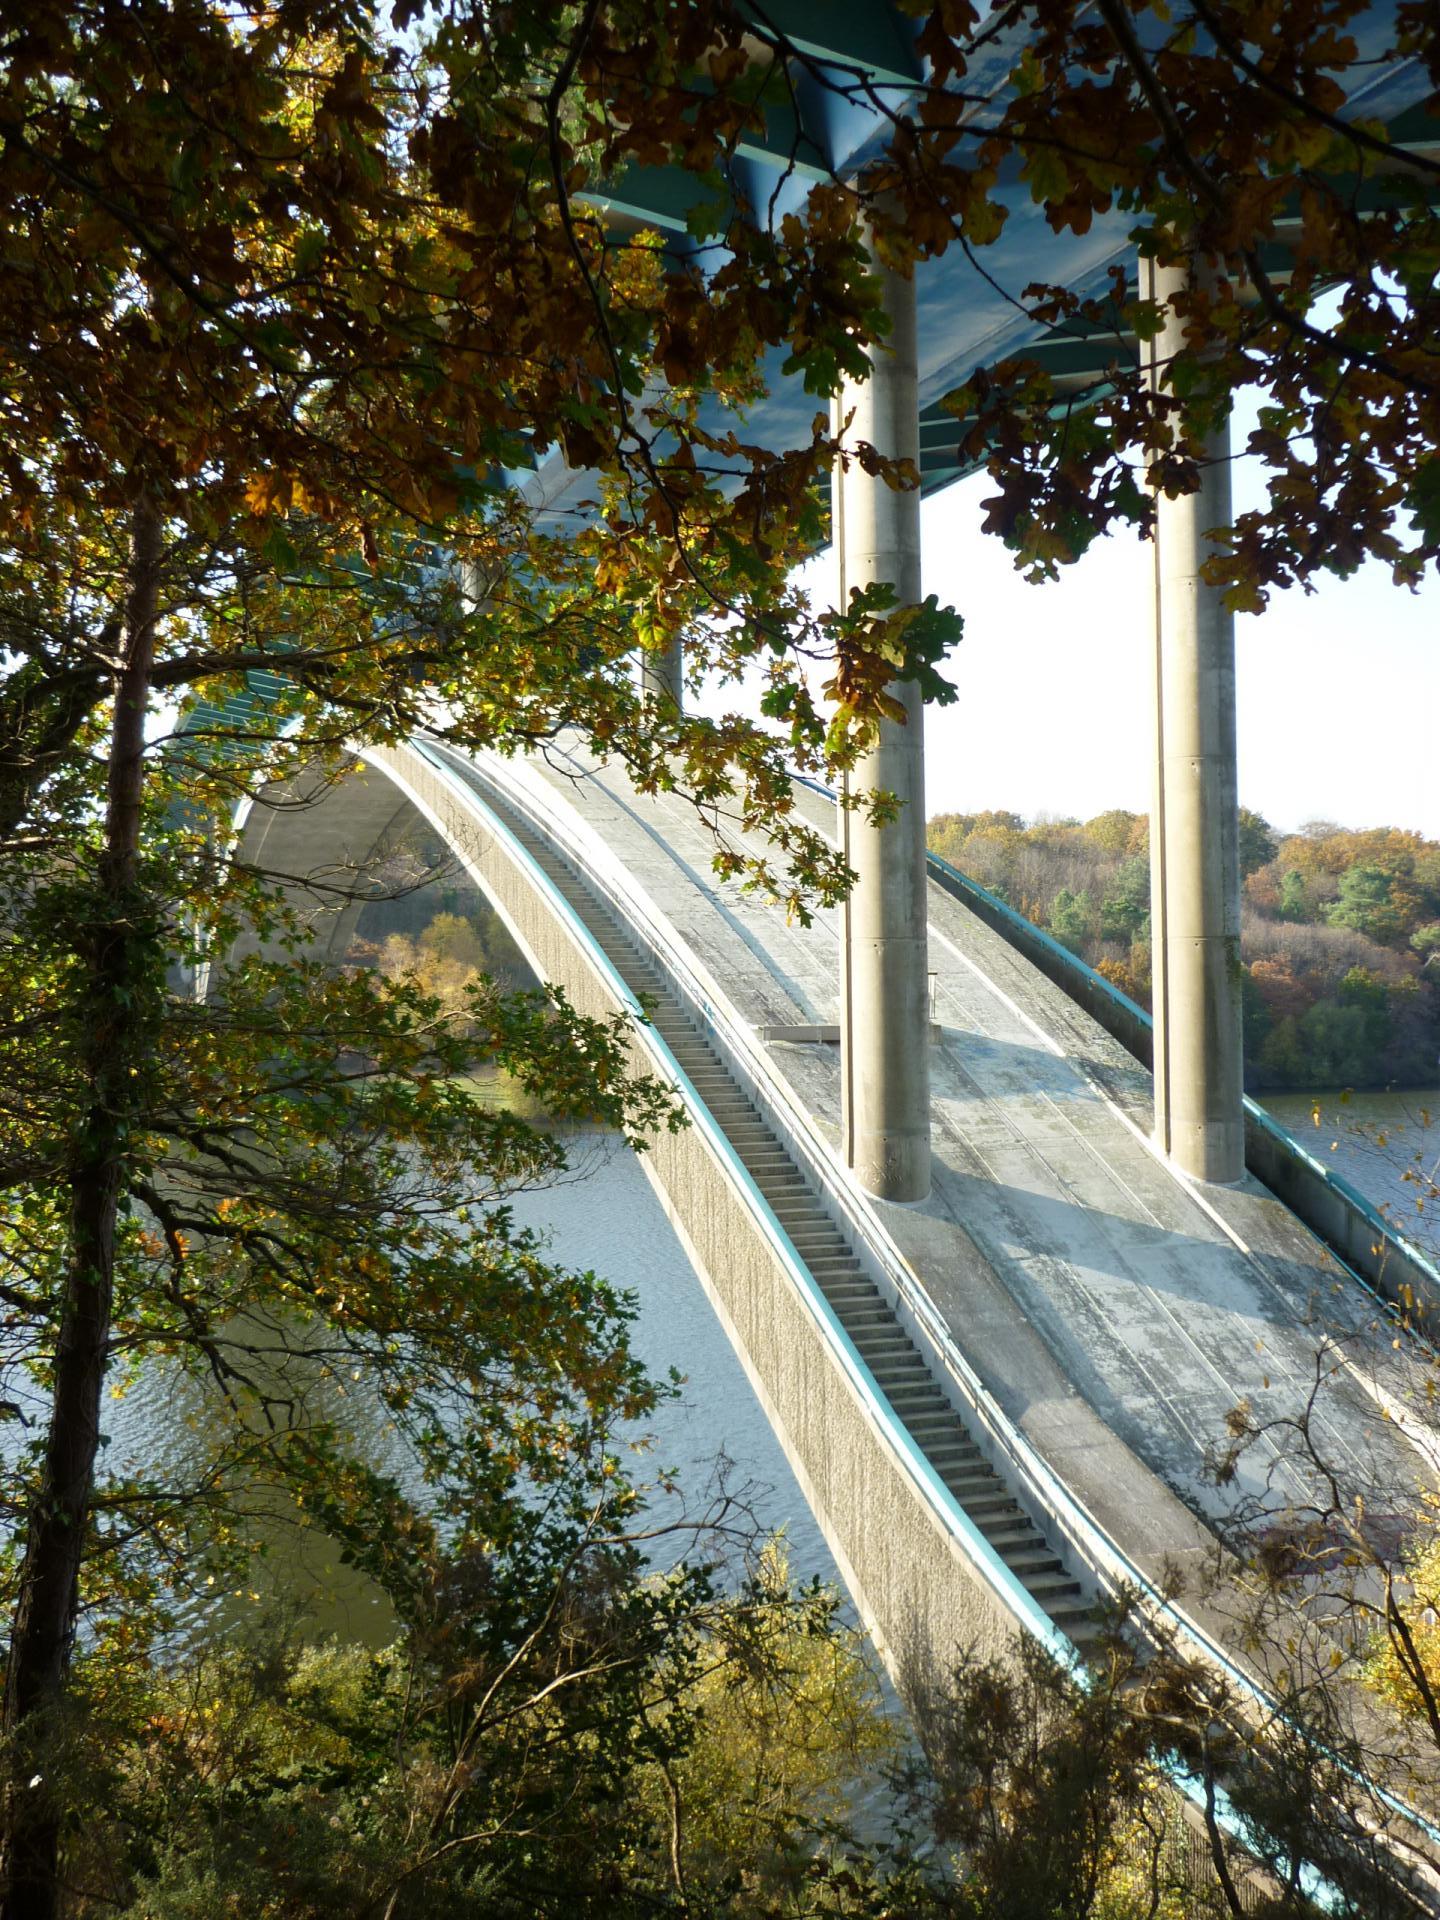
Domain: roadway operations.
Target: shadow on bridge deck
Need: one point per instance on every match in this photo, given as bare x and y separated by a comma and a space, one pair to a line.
1117, 1312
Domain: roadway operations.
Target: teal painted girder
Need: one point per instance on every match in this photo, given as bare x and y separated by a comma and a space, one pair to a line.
845, 66
869, 36
209, 724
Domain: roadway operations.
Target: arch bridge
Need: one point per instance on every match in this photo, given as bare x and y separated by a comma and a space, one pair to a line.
997, 1283
998, 1401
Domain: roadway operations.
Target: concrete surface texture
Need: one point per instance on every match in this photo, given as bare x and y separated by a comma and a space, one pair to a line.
1119, 1312
1116, 1312
1195, 849
885, 1093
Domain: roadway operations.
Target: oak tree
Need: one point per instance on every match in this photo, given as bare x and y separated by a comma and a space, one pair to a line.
289, 299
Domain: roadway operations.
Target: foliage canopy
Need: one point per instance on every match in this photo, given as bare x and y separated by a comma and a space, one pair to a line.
290, 296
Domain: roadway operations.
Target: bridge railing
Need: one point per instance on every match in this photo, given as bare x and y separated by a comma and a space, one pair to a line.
1010, 1448
1351, 1226
519, 788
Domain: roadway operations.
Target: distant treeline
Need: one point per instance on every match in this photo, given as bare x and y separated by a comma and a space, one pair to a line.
1340, 933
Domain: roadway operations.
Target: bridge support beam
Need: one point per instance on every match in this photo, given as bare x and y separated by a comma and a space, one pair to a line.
1194, 820
884, 968
662, 678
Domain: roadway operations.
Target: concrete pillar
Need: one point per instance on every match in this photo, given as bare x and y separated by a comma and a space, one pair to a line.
1194, 820
662, 677
884, 978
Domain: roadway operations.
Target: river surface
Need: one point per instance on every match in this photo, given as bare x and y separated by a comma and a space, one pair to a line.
606, 1216
609, 1219
1375, 1140
603, 1215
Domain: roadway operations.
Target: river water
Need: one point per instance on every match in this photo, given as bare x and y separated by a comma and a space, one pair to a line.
608, 1218
605, 1215
1386, 1144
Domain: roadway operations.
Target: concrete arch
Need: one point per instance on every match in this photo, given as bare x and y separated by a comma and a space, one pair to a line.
925, 1582
322, 837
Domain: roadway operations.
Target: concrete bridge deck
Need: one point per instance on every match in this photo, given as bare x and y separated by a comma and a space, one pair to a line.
998, 1402
1117, 1311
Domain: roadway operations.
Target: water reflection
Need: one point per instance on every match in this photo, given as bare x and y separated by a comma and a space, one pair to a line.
167, 1427
603, 1215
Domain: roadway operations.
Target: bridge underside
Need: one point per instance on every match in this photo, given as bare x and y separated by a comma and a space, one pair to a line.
1116, 1312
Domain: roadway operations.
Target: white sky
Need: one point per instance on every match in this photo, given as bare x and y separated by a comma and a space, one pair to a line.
1338, 691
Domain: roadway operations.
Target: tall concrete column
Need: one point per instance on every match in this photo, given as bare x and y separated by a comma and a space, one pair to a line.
662, 677
1194, 820
884, 974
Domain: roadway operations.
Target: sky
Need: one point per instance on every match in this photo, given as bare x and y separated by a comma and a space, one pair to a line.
1338, 692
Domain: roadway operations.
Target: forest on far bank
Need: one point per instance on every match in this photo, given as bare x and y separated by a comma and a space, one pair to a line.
1340, 933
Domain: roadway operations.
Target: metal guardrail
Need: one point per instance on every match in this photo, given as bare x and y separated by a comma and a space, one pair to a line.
1009, 1443
736, 1037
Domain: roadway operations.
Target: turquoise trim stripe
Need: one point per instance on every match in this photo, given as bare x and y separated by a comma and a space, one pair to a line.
1352, 1197
938, 1496
1061, 954
1064, 961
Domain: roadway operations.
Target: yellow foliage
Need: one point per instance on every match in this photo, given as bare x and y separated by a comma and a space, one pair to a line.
795, 1728
1404, 1661
446, 960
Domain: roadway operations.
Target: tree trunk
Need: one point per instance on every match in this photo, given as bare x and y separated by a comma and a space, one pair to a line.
117, 945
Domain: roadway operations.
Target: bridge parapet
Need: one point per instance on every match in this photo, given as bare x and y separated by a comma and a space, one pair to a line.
928, 1580
925, 1579
893, 1273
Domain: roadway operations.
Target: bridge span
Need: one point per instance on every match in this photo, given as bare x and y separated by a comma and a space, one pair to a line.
999, 1401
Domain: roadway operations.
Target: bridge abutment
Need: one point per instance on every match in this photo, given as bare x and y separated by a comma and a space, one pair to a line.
884, 963
1194, 819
